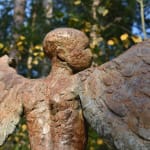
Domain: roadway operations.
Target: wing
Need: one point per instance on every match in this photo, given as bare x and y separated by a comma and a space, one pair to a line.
10, 103
116, 98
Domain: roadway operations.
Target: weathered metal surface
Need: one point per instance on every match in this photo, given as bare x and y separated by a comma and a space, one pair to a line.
52, 107
115, 97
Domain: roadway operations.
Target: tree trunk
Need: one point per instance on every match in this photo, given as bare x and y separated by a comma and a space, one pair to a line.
19, 14
18, 19
48, 7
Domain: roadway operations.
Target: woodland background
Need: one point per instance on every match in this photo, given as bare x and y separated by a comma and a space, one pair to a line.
111, 25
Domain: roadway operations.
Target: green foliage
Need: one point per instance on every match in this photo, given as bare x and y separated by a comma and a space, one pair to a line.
19, 140
97, 143
101, 21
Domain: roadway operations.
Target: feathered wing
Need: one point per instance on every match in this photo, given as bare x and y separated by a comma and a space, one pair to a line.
116, 98
10, 103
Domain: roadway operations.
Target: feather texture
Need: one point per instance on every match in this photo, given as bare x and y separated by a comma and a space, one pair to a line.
116, 98
10, 103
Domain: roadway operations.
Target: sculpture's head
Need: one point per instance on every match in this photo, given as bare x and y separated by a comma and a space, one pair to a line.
68, 44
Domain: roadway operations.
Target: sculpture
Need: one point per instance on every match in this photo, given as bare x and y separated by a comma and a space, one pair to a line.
114, 97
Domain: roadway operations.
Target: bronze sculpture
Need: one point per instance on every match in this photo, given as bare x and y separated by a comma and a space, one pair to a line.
114, 96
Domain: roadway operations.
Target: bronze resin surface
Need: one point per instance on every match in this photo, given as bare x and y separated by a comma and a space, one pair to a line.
115, 96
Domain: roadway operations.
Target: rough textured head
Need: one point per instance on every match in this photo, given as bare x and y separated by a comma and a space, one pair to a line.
68, 45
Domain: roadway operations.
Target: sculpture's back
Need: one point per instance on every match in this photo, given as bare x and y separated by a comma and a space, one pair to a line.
52, 108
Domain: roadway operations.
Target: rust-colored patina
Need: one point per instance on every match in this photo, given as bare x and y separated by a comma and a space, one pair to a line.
62, 120
52, 106
115, 96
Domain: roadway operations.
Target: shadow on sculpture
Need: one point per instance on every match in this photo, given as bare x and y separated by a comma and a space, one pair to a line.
115, 96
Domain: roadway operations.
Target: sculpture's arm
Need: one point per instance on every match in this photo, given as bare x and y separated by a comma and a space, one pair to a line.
17, 92
36, 107
10, 103
116, 98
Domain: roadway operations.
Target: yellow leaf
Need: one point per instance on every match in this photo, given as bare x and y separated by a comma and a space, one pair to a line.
22, 37
22, 134
38, 47
136, 39
110, 42
100, 141
105, 12
93, 44
16, 139
29, 66
42, 54
86, 30
6, 49
88, 24
20, 48
124, 36
24, 127
35, 54
91, 148
77, 2
35, 62
19, 43
74, 19
1, 45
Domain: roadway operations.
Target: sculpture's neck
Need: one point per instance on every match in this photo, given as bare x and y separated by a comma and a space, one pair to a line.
59, 67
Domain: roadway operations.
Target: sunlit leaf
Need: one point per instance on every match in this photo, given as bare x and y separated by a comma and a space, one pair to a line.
136, 39
22, 37
103, 11
77, 2
1, 45
17, 139
100, 141
110, 42
42, 54
19, 43
38, 47
5, 49
35, 62
24, 127
74, 19
35, 54
124, 36
92, 148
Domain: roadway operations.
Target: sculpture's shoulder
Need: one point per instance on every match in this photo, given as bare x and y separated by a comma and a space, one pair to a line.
140, 51
4, 60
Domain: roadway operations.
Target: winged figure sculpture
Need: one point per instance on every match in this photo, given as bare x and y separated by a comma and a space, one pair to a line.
114, 97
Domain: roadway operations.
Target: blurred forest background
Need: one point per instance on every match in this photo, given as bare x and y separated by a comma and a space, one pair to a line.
111, 25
